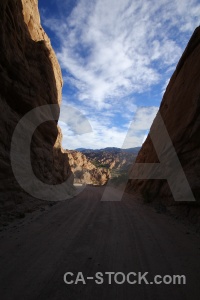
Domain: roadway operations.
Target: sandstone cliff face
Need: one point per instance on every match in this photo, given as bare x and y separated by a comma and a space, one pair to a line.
84, 171
180, 110
30, 76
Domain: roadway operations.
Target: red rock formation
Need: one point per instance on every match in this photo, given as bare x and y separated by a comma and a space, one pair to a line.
30, 76
84, 170
180, 110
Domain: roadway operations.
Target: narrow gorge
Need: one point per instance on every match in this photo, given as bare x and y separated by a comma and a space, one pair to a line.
118, 239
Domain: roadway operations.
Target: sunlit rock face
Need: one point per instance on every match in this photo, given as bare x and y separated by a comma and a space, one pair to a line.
30, 77
85, 172
180, 110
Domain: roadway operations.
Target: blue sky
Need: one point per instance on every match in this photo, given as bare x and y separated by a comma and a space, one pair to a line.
117, 57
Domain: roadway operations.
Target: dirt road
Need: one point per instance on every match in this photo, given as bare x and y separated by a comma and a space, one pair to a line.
86, 235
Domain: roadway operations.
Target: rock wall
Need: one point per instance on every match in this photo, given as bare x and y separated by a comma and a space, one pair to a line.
180, 110
30, 76
84, 171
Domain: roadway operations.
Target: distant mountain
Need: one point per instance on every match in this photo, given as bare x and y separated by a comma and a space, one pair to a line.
117, 160
79, 149
109, 149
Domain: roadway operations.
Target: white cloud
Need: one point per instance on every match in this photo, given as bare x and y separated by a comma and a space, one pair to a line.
109, 47
74, 119
101, 137
112, 51
139, 126
143, 118
105, 134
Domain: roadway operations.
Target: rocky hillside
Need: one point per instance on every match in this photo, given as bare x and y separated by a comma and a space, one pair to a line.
116, 159
30, 76
85, 171
180, 110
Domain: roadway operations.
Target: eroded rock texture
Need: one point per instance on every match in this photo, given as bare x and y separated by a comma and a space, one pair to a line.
30, 76
85, 171
180, 110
